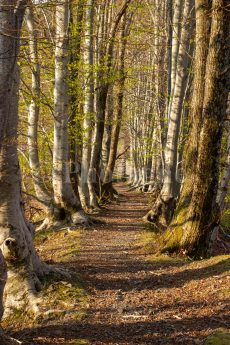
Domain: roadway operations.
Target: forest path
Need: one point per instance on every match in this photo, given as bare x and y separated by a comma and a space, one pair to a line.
133, 298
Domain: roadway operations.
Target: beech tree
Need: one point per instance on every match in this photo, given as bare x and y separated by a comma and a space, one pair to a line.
197, 213
163, 208
108, 191
24, 267
105, 60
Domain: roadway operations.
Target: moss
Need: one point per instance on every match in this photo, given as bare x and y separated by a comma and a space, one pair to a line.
42, 236
79, 342
218, 338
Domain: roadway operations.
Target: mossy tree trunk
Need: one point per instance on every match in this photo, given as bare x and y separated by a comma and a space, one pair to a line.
197, 211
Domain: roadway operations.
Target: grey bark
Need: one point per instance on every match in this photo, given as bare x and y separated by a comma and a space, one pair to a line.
169, 190
64, 195
16, 234
34, 109
88, 102
103, 83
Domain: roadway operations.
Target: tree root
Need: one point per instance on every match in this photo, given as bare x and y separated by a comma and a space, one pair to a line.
6, 340
161, 213
77, 218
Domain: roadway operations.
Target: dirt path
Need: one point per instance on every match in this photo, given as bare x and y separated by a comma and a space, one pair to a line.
134, 299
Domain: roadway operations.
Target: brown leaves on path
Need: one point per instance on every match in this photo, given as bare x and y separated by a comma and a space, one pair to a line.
134, 298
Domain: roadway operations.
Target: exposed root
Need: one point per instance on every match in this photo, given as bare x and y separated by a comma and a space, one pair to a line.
161, 213
79, 218
76, 218
219, 241
6, 340
108, 193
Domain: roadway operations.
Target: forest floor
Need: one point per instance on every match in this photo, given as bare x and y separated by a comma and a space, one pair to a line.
128, 296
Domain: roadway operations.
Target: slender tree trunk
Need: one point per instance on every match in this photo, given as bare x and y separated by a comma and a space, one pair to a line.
176, 36
64, 195
107, 183
224, 185
162, 211
75, 104
88, 103
108, 127
33, 115
192, 231
104, 76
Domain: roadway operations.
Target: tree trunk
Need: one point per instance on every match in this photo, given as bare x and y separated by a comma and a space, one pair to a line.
88, 103
108, 191
190, 232
33, 115
223, 190
4, 340
176, 36
75, 102
64, 195
104, 81
23, 263
162, 211
108, 127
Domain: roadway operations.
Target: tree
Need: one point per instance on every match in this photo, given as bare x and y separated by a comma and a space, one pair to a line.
163, 208
64, 196
105, 60
108, 191
16, 234
88, 56
198, 214
33, 113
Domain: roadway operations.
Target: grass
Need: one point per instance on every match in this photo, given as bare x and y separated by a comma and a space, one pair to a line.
61, 299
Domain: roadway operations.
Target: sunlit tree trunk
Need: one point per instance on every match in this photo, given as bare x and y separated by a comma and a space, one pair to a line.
4, 340
75, 102
88, 102
64, 195
108, 127
176, 37
16, 234
164, 206
34, 109
190, 232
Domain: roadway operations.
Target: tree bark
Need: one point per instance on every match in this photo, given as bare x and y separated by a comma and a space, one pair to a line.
190, 232
108, 191
104, 77
162, 211
4, 340
64, 195
33, 114
88, 102
16, 234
